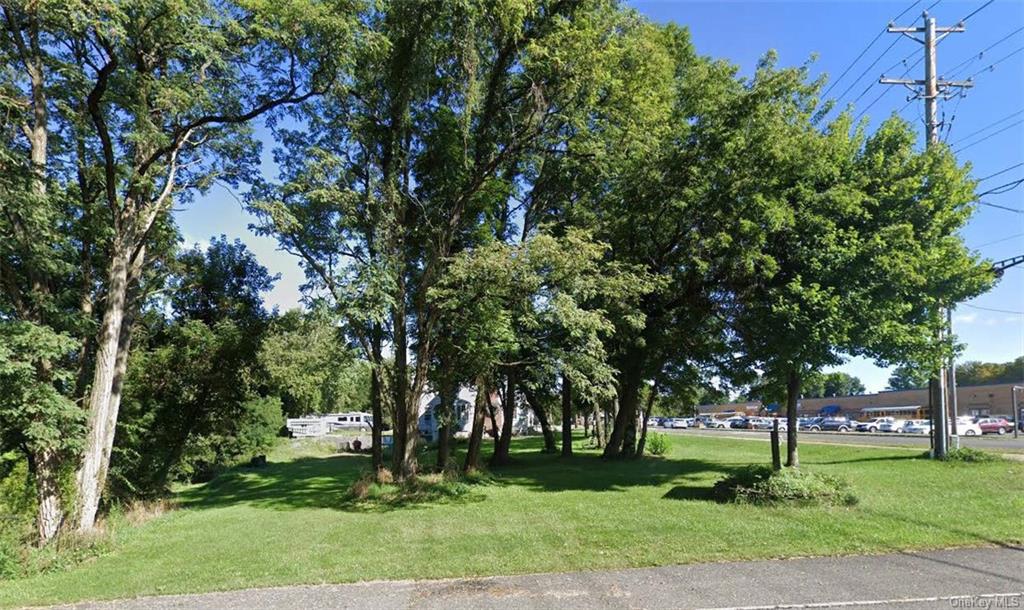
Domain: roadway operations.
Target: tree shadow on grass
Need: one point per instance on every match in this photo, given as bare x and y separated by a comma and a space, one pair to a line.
588, 471
308, 482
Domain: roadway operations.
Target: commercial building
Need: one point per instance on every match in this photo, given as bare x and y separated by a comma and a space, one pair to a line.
979, 400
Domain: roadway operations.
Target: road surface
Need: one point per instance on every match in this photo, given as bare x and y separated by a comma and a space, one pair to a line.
966, 578
991, 442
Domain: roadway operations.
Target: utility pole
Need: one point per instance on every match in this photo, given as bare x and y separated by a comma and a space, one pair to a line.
931, 89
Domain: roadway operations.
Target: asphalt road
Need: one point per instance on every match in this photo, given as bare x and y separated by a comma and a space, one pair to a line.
965, 578
992, 442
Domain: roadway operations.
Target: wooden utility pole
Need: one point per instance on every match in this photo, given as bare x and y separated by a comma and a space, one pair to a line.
931, 89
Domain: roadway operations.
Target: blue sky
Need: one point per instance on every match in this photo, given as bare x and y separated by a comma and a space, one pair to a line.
836, 32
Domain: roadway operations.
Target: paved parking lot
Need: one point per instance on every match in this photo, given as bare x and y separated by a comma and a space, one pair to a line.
992, 442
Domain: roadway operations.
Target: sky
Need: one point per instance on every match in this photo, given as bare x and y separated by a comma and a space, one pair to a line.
991, 327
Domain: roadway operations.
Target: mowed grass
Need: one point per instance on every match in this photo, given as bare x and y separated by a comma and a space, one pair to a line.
289, 523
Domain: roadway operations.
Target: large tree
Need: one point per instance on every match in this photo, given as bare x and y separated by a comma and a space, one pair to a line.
423, 155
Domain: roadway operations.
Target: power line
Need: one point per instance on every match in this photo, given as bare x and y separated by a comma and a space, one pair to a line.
997, 241
1002, 171
973, 58
865, 50
976, 11
1002, 188
862, 74
1001, 207
989, 126
1016, 313
991, 135
993, 65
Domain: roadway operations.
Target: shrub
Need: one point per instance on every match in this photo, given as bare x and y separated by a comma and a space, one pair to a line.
657, 443
759, 484
379, 491
969, 454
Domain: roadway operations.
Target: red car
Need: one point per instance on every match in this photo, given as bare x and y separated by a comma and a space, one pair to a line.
994, 425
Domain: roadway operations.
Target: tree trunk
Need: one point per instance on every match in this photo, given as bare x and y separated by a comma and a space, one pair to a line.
376, 407
92, 472
50, 516
508, 413
404, 458
586, 425
542, 417
566, 416
622, 442
476, 435
445, 413
644, 417
792, 395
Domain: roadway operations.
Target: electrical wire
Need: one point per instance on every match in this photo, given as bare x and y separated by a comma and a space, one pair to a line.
993, 65
1016, 313
1002, 188
1002, 171
976, 11
997, 241
866, 49
991, 135
1001, 207
973, 58
989, 126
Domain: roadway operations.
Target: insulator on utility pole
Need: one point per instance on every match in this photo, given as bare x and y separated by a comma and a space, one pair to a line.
929, 89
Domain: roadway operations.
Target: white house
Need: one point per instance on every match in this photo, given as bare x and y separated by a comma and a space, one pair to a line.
465, 403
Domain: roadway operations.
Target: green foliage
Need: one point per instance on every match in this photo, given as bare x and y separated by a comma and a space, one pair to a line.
823, 385
36, 412
907, 377
192, 402
970, 455
657, 443
310, 366
759, 484
17, 512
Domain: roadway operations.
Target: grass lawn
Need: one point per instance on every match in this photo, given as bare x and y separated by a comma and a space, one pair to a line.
288, 524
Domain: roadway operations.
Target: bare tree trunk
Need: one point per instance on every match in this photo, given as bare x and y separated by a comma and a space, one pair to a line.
508, 413
792, 396
622, 442
445, 412
566, 416
404, 448
92, 472
542, 417
50, 515
476, 435
586, 425
646, 415
376, 407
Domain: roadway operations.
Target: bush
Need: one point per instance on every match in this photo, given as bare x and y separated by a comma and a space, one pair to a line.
760, 484
657, 444
969, 454
380, 491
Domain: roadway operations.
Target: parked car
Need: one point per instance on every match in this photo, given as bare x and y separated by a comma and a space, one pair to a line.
737, 422
711, 422
652, 422
873, 425
965, 426
918, 426
895, 425
759, 423
994, 425
837, 424
811, 423
677, 422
